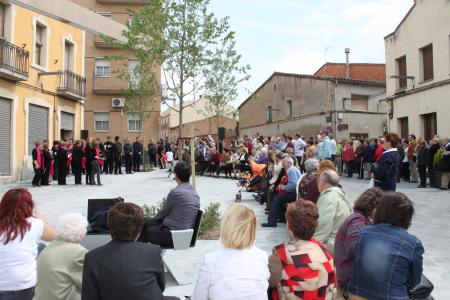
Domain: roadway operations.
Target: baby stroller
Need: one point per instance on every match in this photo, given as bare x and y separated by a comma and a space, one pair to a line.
252, 182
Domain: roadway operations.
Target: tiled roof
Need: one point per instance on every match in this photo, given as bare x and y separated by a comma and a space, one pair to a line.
359, 72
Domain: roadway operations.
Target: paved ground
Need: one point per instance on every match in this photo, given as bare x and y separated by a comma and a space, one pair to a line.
430, 224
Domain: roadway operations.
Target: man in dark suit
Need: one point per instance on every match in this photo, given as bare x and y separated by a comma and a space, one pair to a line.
178, 213
124, 268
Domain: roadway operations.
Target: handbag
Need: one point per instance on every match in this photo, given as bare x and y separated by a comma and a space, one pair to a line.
423, 290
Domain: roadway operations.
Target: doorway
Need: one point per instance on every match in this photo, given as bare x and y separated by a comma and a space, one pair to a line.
429, 126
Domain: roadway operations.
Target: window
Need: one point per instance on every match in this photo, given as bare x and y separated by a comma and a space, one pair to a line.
289, 108
39, 45
404, 127
429, 126
134, 78
360, 102
68, 56
102, 68
401, 72
2, 20
269, 114
134, 123
426, 53
101, 121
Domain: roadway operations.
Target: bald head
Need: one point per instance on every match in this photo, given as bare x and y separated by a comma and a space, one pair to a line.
328, 179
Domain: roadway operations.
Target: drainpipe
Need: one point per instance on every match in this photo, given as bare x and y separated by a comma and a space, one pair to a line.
347, 63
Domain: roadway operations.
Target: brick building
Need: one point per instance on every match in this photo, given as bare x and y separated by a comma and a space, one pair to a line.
104, 113
290, 103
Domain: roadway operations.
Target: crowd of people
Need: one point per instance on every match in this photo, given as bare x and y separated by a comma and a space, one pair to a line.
91, 157
336, 250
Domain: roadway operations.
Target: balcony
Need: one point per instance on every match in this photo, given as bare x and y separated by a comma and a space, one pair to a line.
13, 62
71, 85
109, 85
123, 1
99, 42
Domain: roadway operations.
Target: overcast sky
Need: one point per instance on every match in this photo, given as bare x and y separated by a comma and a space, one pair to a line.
292, 35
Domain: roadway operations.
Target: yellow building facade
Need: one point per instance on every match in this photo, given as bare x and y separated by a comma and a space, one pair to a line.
42, 86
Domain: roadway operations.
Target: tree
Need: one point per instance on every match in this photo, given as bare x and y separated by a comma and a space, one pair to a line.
184, 38
223, 75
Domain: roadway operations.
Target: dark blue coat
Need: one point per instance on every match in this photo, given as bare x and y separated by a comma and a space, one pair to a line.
386, 170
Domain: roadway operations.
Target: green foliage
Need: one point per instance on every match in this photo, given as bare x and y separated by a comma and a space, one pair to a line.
438, 158
211, 218
150, 211
193, 49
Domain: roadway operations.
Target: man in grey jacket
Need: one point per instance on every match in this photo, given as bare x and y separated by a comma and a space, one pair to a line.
178, 213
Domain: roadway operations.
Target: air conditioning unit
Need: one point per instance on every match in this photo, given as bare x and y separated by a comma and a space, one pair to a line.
118, 102
340, 116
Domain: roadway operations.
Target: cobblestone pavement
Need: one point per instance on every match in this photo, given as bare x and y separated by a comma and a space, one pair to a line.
430, 224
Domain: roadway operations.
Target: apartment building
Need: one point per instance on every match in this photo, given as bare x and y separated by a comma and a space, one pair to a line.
104, 111
42, 86
418, 71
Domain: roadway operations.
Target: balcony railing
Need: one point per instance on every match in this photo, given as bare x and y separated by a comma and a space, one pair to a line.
123, 1
99, 42
111, 84
71, 85
13, 61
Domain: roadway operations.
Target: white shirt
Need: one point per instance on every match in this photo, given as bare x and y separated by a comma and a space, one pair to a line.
405, 159
169, 156
333, 147
18, 259
233, 274
299, 145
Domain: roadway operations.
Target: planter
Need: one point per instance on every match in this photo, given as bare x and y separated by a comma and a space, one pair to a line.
436, 179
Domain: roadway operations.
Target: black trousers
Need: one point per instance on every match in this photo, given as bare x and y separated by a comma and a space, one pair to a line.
45, 176
349, 166
109, 164
423, 175
153, 159
136, 163
118, 164
37, 176
128, 164
155, 232
88, 172
405, 171
26, 294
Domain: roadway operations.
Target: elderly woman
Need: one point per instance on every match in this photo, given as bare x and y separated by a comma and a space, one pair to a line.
308, 189
388, 259
60, 265
239, 269
21, 229
303, 256
348, 233
263, 157
386, 171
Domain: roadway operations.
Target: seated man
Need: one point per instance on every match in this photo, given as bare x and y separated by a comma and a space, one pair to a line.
333, 207
286, 192
123, 268
178, 213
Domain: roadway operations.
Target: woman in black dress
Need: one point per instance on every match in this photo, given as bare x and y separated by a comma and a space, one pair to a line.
77, 156
62, 155
48, 157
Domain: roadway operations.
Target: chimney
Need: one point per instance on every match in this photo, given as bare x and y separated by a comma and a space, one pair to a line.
347, 63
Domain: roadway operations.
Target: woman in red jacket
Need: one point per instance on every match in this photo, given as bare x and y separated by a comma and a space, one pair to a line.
348, 155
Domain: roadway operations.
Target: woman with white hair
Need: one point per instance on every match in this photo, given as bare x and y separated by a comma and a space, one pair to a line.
60, 265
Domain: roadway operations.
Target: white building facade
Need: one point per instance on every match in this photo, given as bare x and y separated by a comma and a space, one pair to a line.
418, 71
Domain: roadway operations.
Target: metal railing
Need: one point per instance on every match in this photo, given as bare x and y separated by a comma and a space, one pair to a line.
13, 58
111, 83
72, 83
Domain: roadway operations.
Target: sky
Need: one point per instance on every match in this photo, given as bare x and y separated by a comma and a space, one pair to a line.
298, 36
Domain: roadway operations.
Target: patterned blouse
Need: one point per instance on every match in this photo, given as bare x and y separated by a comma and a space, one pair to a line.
302, 270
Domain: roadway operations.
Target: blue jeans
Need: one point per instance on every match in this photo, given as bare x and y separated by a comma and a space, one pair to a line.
279, 202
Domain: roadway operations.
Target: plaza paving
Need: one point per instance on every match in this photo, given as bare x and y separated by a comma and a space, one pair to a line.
431, 222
